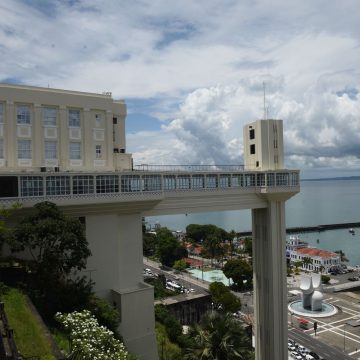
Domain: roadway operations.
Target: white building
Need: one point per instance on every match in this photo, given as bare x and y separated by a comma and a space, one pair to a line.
69, 148
321, 260
47, 129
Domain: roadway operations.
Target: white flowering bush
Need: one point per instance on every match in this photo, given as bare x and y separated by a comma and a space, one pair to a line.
89, 340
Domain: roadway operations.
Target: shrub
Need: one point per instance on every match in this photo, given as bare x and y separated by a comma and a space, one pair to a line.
106, 314
89, 340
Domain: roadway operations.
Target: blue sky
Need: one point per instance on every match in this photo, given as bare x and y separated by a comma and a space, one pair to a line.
191, 72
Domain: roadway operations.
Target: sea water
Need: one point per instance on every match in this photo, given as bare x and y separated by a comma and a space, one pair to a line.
318, 203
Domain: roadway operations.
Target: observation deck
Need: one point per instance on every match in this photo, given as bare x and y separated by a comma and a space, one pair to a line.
146, 186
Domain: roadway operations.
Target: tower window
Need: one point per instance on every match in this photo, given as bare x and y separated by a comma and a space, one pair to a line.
74, 118
252, 149
252, 134
23, 115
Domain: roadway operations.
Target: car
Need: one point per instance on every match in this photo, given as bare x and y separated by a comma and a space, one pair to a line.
314, 355
296, 356
353, 278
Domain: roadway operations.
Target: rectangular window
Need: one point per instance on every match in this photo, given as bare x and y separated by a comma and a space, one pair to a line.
75, 151
50, 150
1, 148
98, 154
252, 149
49, 117
252, 134
97, 120
83, 184
57, 185
1, 113
107, 184
24, 149
74, 118
23, 115
31, 186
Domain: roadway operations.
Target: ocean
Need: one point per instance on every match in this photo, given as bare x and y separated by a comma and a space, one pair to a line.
319, 202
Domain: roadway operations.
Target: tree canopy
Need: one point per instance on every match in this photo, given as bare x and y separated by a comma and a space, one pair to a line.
223, 299
56, 242
219, 336
240, 271
201, 232
168, 248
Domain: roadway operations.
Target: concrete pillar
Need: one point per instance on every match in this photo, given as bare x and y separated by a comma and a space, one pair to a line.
88, 140
63, 138
270, 289
37, 138
116, 266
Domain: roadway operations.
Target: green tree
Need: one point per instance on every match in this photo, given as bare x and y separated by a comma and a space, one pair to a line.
172, 325
180, 265
168, 248
213, 246
248, 245
223, 299
5, 213
240, 271
56, 242
220, 337
307, 261
343, 257
297, 265
149, 244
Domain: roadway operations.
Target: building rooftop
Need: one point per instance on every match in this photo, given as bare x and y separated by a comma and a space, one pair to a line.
316, 252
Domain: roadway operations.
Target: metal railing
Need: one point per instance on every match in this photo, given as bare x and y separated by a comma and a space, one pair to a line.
189, 168
117, 184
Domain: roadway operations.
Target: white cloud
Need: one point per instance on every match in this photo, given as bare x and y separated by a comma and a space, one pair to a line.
204, 63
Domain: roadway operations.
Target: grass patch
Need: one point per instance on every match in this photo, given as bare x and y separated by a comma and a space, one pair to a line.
29, 337
62, 340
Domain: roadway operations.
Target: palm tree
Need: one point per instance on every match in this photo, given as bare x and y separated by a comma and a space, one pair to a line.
307, 261
219, 337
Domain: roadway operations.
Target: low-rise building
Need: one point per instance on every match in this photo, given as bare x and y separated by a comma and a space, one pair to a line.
321, 260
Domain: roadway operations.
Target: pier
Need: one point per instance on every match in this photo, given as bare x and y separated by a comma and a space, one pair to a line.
315, 228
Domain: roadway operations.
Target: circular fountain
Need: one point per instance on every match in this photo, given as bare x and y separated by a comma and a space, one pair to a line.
312, 304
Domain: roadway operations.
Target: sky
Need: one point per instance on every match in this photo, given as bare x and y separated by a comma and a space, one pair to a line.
192, 72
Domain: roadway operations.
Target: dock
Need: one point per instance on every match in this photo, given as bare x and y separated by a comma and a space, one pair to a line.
315, 228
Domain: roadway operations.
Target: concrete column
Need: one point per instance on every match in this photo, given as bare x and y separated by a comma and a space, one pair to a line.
87, 140
116, 266
270, 289
37, 138
11, 136
63, 138
109, 147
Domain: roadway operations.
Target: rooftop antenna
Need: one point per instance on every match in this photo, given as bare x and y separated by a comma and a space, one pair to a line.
264, 87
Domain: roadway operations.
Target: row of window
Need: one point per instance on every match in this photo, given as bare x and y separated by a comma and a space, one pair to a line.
50, 150
49, 116
101, 184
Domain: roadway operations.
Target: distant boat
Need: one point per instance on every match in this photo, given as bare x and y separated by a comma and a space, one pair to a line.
352, 231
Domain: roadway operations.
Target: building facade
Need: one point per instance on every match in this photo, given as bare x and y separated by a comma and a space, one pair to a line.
45, 129
321, 260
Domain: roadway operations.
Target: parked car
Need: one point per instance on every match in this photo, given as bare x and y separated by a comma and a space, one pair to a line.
314, 355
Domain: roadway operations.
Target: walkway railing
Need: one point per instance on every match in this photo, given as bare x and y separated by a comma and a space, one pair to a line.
189, 168
116, 184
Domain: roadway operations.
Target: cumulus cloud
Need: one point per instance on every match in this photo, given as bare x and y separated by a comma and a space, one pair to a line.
202, 64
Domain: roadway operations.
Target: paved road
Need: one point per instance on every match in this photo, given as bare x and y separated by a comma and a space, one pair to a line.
323, 350
184, 279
